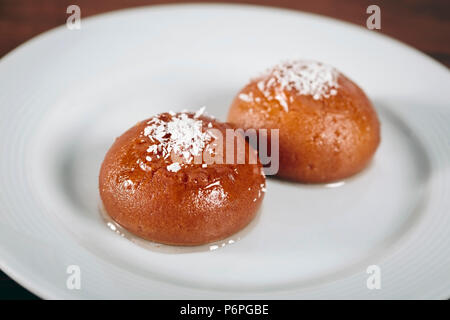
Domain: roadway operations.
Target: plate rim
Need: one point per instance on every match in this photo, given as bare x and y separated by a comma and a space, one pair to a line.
32, 285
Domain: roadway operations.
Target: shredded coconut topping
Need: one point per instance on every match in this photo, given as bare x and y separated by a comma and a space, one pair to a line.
311, 78
181, 135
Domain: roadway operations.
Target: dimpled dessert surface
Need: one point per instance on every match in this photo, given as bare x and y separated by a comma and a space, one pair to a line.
175, 203
328, 128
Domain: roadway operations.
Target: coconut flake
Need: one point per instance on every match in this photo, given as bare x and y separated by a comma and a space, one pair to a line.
143, 166
174, 167
217, 183
199, 112
246, 97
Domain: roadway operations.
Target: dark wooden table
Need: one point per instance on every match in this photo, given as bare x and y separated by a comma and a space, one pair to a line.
423, 24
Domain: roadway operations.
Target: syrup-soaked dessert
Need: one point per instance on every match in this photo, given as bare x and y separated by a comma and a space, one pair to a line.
328, 128
166, 180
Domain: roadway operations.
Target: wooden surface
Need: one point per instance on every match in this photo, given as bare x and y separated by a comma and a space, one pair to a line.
423, 24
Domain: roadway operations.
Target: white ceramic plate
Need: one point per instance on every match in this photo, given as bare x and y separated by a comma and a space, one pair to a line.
65, 95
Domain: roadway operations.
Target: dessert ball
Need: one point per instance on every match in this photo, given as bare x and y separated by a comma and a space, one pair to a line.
167, 179
328, 128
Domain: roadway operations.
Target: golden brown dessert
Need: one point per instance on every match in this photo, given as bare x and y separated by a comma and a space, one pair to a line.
328, 128
186, 201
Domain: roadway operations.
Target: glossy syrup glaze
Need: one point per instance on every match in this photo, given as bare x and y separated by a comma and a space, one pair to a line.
171, 249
